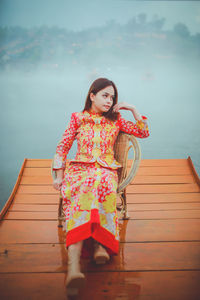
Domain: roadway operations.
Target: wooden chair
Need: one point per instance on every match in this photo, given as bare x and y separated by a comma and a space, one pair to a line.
124, 143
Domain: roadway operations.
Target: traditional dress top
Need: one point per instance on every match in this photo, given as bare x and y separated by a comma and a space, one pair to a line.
95, 136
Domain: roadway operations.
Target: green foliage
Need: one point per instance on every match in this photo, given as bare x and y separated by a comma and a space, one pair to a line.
111, 41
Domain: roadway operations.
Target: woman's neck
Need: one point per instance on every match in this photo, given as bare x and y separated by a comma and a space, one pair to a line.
93, 112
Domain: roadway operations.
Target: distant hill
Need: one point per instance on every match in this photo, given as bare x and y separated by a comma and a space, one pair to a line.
58, 47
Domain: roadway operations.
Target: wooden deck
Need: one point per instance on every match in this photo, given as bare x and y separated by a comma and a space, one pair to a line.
159, 255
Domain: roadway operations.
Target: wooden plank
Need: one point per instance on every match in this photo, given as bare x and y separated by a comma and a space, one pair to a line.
163, 214
181, 285
173, 170
163, 206
160, 198
131, 257
134, 215
32, 207
164, 170
170, 179
155, 188
37, 172
37, 258
178, 165
142, 285
32, 286
47, 180
131, 198
37, 189
154, 256
37, 199
159, 230
163, 162
32, 163
39, 163
31, 232
37, 180
165, 188
130, 231
131, 207
31, 215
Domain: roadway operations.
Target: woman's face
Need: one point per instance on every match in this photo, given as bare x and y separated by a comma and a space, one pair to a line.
103, 100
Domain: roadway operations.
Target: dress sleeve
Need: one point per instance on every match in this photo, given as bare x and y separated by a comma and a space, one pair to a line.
63, 147
139, 129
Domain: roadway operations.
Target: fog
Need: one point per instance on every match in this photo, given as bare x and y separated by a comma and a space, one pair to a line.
46, 73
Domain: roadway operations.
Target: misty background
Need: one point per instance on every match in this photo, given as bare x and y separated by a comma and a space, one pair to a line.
51, 52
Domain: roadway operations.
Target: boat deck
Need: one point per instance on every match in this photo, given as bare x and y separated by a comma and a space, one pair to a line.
159, 256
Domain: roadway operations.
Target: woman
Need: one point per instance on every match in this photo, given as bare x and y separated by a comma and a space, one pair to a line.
89, 183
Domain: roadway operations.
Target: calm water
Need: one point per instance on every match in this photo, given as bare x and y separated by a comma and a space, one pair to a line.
36, 107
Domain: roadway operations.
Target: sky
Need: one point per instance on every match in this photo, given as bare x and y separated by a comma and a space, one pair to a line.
77, 15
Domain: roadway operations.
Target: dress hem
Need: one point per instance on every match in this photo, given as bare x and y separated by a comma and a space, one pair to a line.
92, 229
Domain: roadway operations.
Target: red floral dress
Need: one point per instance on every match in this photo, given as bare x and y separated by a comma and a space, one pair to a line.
90, 180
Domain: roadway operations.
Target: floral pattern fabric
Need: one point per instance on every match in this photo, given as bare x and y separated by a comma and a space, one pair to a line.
89, 193
90, 180
95, 137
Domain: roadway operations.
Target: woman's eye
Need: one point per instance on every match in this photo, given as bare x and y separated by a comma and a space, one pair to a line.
112, 98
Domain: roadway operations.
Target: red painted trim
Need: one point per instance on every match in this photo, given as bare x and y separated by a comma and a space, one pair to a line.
92, 229
14, 191
197, 178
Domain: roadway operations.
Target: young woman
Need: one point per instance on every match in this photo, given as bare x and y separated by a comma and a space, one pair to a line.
89, 183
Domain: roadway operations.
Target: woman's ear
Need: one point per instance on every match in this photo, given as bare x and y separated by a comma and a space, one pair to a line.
91, 96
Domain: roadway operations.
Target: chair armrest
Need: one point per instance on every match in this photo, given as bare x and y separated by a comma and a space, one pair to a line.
53, 172
135, 164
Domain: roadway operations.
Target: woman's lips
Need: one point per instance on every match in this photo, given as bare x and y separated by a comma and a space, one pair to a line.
107, 106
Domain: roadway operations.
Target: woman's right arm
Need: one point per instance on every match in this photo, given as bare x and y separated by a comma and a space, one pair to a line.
63, 147
57, 183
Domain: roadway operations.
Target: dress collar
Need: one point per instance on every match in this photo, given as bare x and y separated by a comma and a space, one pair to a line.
93, 114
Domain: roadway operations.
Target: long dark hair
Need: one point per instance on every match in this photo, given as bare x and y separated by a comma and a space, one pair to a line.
98, 85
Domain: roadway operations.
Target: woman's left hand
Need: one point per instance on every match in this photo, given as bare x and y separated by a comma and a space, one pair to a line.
122, 105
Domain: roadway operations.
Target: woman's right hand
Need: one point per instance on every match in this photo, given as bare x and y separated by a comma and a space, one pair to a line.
57, 184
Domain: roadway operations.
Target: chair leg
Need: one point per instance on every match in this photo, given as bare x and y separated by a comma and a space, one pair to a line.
60, 212
124, 209
60, 223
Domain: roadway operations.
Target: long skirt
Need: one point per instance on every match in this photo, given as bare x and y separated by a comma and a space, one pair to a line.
89, 197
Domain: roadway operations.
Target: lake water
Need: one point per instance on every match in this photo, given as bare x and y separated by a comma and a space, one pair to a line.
36, 107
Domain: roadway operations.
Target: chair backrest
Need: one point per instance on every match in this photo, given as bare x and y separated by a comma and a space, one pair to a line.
123, 144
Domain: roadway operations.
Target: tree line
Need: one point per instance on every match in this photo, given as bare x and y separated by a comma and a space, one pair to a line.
137, 38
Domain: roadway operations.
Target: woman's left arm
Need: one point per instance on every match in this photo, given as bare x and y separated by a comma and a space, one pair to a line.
140, 128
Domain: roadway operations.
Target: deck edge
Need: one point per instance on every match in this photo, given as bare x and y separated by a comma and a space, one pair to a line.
12, 195
196, 176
